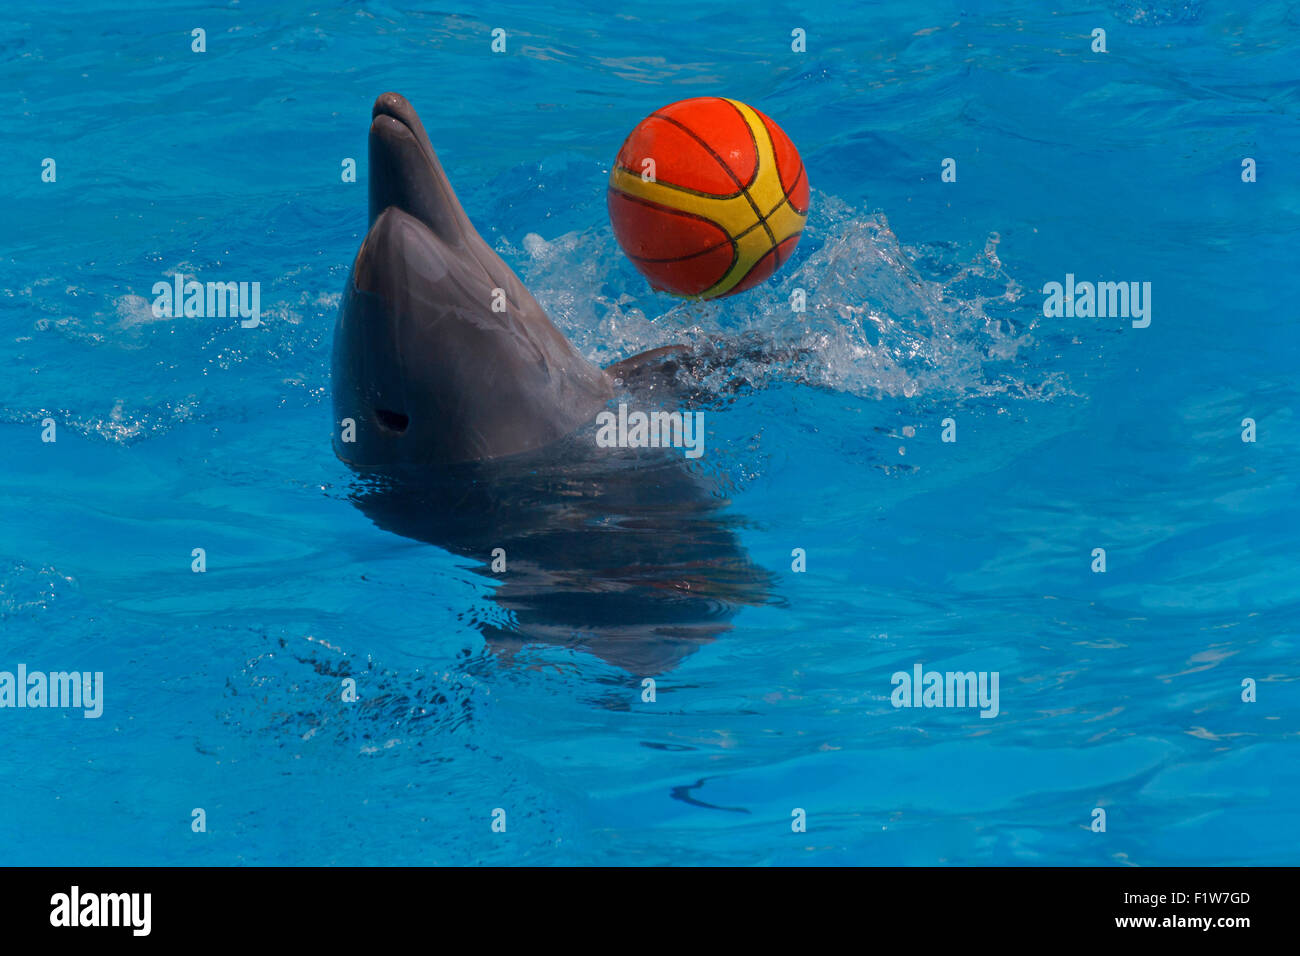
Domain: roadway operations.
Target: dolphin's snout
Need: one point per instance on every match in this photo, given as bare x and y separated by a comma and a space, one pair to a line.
405, 171
390, 127
394, 118
392, 104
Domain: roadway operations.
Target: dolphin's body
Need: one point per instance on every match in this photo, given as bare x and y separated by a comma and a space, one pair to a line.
469, 423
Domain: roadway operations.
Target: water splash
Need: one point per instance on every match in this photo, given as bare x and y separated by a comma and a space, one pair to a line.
881, 320
101, 364
29, 590
291, 690
1157, 13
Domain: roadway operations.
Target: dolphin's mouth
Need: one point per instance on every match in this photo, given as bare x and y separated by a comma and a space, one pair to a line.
390, 118
392, 107
392, 421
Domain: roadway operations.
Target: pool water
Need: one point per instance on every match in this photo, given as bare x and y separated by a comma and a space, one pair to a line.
1120, 691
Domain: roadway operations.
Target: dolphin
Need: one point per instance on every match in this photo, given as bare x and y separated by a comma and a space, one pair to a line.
441, 355
468, 409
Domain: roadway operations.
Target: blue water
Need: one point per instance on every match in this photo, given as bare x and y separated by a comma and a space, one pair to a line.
1119, 690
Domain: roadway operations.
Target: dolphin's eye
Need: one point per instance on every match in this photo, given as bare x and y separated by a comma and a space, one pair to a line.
391, 421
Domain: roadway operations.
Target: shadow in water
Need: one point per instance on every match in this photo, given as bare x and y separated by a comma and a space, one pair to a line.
628, 554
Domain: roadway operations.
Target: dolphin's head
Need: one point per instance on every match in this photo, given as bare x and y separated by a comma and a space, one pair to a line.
441, 355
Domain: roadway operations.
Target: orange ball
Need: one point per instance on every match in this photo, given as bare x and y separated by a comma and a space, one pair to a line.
708, 197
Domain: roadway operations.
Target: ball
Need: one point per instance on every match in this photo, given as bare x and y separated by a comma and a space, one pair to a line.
707, 197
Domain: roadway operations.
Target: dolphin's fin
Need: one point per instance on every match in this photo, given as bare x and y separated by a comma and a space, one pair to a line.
657, 366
